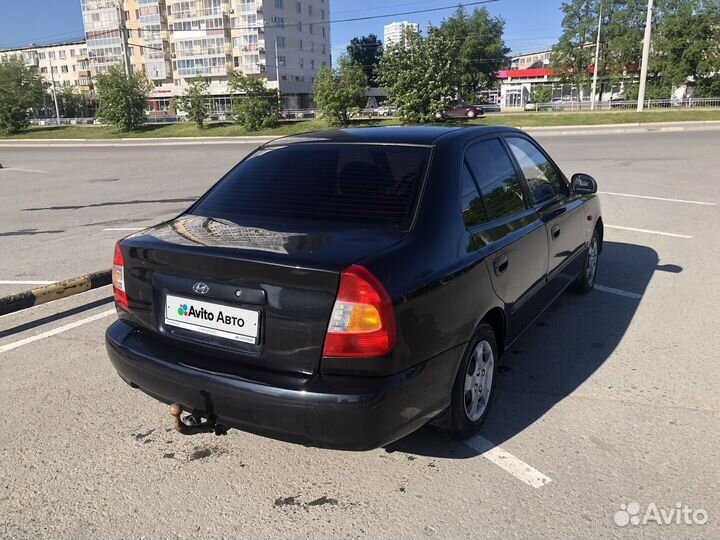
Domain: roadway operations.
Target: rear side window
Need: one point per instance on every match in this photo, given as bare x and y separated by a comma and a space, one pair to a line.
473, 210
496, 178
361, 184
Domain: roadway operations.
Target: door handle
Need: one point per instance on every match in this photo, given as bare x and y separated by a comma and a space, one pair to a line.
555, 231
500, 264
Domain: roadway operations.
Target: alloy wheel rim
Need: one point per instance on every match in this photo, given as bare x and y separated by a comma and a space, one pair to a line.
592, 260
478, 381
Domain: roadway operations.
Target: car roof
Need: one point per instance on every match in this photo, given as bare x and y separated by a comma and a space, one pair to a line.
419, 135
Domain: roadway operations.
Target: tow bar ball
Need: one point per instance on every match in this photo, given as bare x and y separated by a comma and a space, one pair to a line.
193, 424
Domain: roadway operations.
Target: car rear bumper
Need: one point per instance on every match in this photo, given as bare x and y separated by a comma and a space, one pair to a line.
352, 413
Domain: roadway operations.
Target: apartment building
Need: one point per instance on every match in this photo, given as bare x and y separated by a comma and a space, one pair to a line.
395, 32
61, 65
174, 41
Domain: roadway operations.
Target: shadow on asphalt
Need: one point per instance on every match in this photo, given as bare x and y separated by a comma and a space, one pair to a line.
562, 350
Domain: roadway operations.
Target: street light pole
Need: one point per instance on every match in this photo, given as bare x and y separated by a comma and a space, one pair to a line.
645, 57
597, 58
54, 90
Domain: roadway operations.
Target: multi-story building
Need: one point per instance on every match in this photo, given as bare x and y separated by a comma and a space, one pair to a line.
395, 32
174, 41
61, 65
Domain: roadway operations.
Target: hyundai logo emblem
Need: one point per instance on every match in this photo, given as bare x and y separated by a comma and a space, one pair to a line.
201, 288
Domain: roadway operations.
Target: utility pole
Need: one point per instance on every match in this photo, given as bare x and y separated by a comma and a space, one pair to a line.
54, 90
277, 72
645, 57
123, 37
597, 58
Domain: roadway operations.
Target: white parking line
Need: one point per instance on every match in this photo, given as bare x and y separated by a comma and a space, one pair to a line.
55, 331
22, 170
125, 229
647, 231
619, 292
657, 198
505, 460
10, 282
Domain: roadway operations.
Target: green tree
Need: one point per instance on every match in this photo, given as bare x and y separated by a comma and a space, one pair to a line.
685, 44
573, 54
421, 75
541, 94
21, 89
122, 100
366, 51
71, 103
257, 106
339, 91
477, 42
194, 101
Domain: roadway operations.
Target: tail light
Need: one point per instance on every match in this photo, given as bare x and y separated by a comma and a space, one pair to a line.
118, 279
362, 323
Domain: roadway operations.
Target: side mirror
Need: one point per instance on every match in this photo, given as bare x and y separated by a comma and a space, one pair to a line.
584, 184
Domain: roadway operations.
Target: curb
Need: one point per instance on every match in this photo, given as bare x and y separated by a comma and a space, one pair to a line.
599, 129
55, 291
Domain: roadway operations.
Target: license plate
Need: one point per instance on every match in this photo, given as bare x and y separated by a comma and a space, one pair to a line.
210, 318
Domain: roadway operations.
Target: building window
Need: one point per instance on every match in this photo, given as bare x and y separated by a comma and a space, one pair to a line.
281, 61
300, 44
279, 4
310, 28
51, 55
64, 69
299, 7
322, 14
301, 62
299, 26
41, 56
280, 42
323, 31
310, 10
312, 64
72, 53
43, 70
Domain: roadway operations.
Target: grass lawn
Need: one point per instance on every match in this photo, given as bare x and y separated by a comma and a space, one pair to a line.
529, 119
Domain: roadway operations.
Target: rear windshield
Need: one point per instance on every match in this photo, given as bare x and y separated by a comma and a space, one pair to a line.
362, 184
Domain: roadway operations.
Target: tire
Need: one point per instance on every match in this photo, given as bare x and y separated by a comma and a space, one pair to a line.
471, 114
586, 280
468, 410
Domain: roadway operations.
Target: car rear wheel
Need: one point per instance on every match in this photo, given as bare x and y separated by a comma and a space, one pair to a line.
473, 389
586, 280
471, 114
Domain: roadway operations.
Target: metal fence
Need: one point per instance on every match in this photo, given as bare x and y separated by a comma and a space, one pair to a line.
617, 104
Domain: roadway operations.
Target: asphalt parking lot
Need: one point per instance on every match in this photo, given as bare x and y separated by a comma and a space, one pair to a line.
610, 399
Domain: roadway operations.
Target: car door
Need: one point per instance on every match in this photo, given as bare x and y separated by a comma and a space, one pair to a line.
558, 207
512, 234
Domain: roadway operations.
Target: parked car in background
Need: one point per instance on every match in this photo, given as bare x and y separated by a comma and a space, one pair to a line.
344, 288
460, 109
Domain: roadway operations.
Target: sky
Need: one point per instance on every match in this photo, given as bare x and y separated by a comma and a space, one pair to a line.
531, 25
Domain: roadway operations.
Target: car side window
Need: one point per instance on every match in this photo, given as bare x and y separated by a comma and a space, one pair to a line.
543, 179
473, 210
496, 177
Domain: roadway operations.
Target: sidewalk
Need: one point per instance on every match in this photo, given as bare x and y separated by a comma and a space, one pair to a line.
603, 129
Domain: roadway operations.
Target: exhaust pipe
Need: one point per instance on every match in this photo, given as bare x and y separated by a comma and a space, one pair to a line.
192, 425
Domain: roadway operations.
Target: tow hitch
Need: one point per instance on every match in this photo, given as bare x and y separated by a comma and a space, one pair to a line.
193, 424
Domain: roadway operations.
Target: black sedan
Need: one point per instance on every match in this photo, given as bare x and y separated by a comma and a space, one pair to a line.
344, 288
